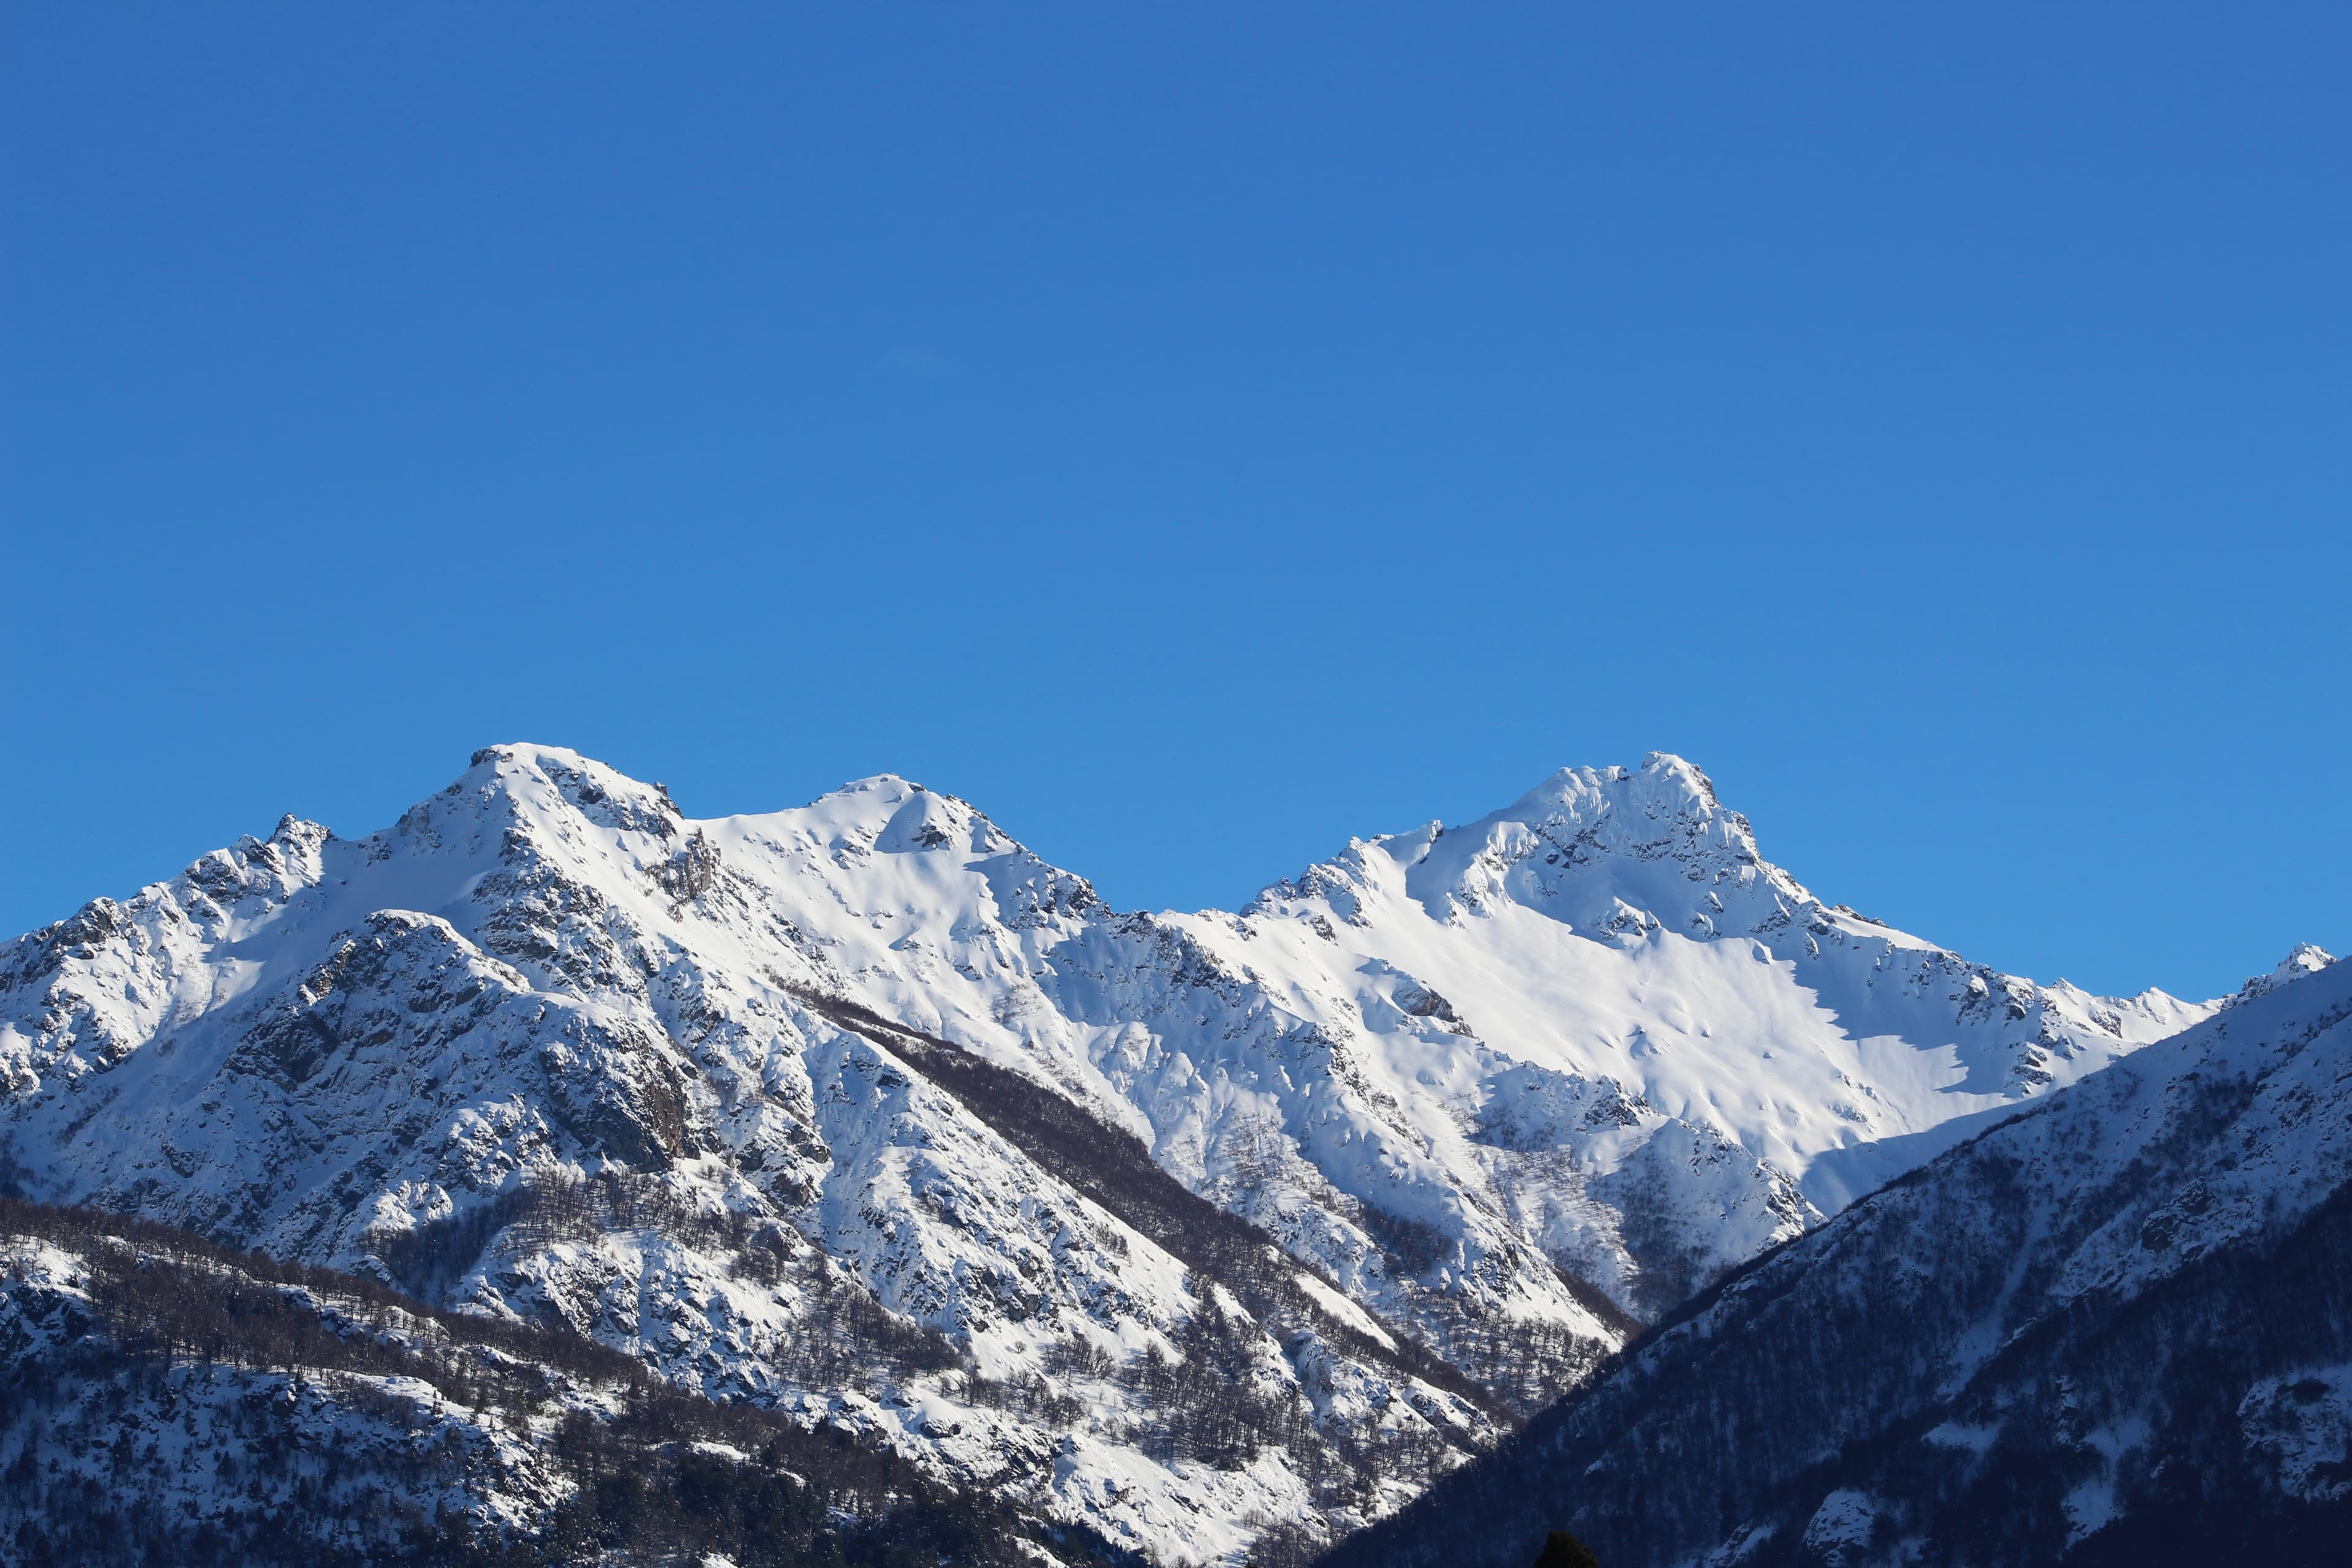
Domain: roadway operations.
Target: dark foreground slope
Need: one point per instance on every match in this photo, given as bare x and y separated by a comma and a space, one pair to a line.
2118, 1328
165, 1401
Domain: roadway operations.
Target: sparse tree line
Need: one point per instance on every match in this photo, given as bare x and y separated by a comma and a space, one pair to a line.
173, 1306
1212, 1405
844, 1340
1111, 1167
180, 1332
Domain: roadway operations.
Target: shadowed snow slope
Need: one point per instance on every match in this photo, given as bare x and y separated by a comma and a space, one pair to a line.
547, 1049
2111, 1330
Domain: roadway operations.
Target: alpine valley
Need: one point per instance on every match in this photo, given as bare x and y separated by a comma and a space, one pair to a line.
451, 1194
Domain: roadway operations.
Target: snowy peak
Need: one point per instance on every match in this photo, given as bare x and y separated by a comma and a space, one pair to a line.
888, 814
1665, 786
1610, 851
1619, 926
2306, 959
548, 790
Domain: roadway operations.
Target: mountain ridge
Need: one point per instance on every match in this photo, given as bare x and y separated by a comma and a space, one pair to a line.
1499, 1092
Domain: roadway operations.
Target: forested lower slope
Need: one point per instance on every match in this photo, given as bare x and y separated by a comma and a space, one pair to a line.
165, 1401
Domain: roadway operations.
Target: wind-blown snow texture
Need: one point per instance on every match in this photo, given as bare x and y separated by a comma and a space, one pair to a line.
1504, 1090
2115, 1326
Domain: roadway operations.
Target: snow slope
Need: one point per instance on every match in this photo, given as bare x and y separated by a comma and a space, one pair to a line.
1501, 1090
2110, 1329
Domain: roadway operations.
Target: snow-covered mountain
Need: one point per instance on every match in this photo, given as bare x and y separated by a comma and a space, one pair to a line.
1608, 966
2111, 1330
816, 1109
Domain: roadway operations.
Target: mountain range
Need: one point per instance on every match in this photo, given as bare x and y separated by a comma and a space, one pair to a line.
1185, 1236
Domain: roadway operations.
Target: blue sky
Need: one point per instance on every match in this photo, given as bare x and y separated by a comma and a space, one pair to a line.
1198, 434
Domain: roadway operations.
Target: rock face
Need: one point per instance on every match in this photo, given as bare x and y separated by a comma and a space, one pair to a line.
1178, 1227
2112, 1329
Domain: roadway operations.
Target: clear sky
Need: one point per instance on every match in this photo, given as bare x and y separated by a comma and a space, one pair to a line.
1198, 433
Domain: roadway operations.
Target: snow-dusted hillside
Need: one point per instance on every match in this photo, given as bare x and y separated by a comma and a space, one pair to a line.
162, 1401
699, 1089
2111, 1330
